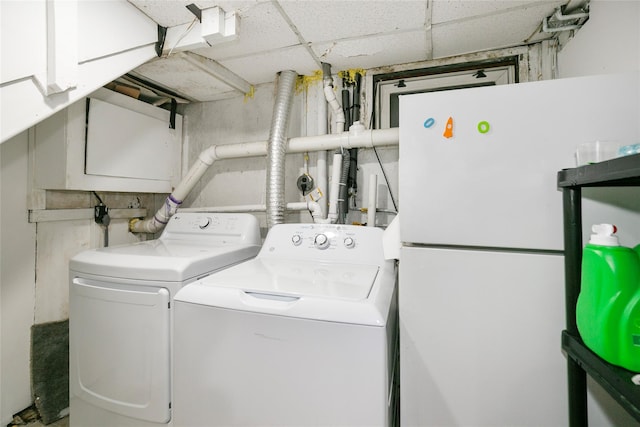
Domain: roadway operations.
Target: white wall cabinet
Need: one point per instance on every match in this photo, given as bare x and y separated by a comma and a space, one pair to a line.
108, 142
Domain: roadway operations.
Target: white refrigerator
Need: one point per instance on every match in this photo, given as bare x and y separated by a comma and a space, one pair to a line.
481, 290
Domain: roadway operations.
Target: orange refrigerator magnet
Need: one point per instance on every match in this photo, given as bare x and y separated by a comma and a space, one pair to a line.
448, 129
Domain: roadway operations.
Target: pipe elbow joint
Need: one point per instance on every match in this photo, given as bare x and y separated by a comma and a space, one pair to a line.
208, 156
132, 224
137, 225
316, 210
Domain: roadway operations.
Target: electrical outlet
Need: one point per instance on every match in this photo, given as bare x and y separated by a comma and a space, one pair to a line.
100, 213
305, 183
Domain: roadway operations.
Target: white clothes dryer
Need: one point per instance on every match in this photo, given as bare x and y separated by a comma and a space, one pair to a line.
305, 334
121, 315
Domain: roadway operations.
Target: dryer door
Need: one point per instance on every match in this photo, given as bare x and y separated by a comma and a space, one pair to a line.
120, 348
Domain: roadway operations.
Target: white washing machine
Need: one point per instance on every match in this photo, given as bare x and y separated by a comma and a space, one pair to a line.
305, 334
121, 315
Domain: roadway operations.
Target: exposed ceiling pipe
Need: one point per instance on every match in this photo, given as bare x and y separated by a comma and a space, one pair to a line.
322, 182
313, 207
330, 95
276, 148
339, 115
336, 170
323, 128
355, 138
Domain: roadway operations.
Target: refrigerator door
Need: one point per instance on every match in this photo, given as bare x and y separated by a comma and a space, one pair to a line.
478, 166
480, 338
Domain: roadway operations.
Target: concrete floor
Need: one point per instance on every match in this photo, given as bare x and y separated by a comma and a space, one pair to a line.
64, 422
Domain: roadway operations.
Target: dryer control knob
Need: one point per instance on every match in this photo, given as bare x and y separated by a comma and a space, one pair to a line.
296, 239
204, 222
321, 241
349, 243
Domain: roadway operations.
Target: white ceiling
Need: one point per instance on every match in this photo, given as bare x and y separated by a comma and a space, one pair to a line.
297, 34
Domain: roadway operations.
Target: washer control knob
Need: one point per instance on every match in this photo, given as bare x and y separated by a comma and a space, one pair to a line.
296, 239
321, 241
204, 222
349, 243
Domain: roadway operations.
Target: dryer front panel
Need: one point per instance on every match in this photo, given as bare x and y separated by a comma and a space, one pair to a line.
120, 348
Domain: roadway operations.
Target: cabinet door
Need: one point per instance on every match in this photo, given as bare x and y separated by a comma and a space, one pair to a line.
125, 145
128, 144
120, 348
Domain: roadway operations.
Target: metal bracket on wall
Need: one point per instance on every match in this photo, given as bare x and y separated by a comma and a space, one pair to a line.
560, 22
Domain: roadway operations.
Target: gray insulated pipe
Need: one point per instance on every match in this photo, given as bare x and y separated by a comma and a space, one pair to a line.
276, 148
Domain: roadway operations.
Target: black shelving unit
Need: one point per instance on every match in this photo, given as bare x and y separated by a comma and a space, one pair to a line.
623, 171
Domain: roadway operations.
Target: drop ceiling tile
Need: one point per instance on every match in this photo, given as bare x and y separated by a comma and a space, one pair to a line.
375, 51
489, 32
183, 77
262, 28
319, 21
347, 34
263, 67
455, 10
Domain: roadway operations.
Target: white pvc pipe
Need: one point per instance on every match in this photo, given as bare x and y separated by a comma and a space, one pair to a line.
373, 200
171, 203
321, 175
335, 107
336, 171
314, 207
323, 182
355, 138
232, 209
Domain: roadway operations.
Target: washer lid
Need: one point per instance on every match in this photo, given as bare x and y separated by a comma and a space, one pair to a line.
356, 294
298, 279
158, 260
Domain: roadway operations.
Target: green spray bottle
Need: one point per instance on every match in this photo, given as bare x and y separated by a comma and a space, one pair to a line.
608, 308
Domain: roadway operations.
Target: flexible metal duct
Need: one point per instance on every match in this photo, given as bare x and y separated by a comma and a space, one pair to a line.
276, 148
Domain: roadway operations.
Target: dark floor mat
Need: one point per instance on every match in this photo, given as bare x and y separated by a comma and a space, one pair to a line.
50, 369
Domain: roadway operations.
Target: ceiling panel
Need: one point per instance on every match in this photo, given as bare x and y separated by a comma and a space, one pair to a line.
263, 67
460, 10
334, 20
377, 51
276, 35
510, 28
184, 78
262, 28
